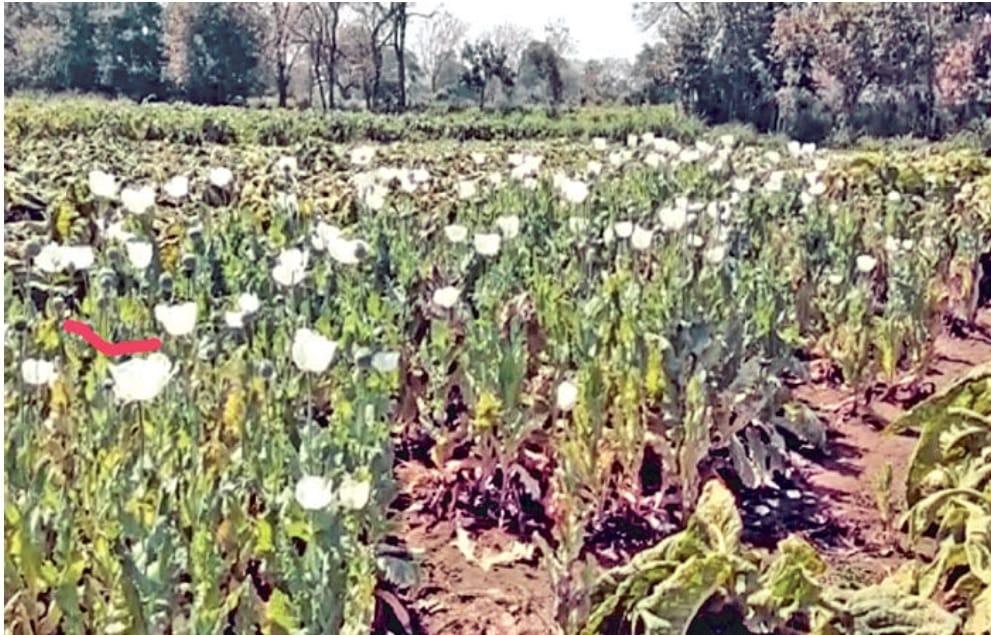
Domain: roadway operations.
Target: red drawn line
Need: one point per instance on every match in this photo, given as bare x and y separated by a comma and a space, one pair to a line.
111, 349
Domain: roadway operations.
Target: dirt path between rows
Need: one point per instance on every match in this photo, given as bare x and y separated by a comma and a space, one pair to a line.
859, 448
833, 504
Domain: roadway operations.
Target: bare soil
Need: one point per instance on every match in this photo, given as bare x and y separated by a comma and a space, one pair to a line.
831, 501
859, 448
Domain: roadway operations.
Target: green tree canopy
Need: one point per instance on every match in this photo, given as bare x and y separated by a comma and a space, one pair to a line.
224, 53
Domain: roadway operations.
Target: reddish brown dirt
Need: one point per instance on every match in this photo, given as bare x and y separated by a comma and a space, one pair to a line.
457, 596
859, 448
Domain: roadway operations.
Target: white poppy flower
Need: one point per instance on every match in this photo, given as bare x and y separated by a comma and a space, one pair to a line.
632, 140
689, 155
478, 158
446, 297
577, 224
574, 191
526, 165
623, 229
835, 279
467, 189
141, 378
487, 244
695, 240
420, 176
347, 252
49, 259
37, 372
54, 258
364, 180
641, 238
116, 232
741, 184
178, 319
248, 303
773, 157
794, 148
667, 146
221, 177
406, 184
673, 218
653, 160
567, 396
704, 147
234, 319
354, 494
727, 140
892, 244
775, 182
495, 178
374, 197
137, 200
599, 143
385, 361
866, 263
456, 233
362, 155
177, 187
894, 196
521, 172
314, 493
509, 225
593, 167
619, 157
323, 235
817, 189
311, 351
139, 253
291, 267
715, 255
80, 257
908, 244
102, 184
387, 175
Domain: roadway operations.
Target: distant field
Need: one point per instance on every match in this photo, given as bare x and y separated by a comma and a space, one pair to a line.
185, 123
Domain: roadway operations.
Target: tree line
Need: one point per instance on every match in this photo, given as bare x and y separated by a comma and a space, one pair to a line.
325, 55
818, 70
808, 70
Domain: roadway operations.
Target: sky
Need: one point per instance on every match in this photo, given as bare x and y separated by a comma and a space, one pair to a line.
600, 29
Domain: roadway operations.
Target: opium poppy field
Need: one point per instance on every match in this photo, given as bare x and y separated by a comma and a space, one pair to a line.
624, 373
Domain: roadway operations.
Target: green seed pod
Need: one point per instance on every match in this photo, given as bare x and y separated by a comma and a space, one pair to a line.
107, 279
188, 264
32, 249
166, 283
266, 369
